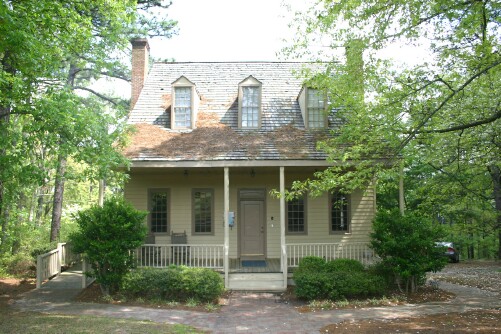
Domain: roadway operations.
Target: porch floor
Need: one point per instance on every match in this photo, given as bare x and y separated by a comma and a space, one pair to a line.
272, 266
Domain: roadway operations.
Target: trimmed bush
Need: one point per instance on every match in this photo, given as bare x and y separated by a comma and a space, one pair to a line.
312, 263
337, 279
175, 283
108, 236
345, 265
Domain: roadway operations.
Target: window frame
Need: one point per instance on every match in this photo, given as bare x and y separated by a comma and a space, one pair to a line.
193, 213
308, 109
305, 218
174, 107
250, 82
183, 82
348, 213
151, 192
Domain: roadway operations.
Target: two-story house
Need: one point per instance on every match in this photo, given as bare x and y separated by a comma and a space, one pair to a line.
212, 139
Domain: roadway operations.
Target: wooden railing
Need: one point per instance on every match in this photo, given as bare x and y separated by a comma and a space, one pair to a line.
68, 257
160, 256
330, 251
50, 263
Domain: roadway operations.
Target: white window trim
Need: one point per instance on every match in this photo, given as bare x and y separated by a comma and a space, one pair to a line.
250, 82
183, 82
303, 104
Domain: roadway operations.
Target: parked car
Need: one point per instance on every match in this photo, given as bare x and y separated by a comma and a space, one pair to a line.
450, 251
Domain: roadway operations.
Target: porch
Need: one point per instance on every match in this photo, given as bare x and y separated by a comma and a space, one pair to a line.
227, 223
268, 274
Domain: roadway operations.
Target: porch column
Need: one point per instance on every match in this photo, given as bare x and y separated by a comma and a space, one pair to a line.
226, 260
282, 225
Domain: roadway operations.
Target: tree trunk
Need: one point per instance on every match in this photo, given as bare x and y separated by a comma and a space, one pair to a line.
495, 172
5, 111
57, 208
16, 240
5, 217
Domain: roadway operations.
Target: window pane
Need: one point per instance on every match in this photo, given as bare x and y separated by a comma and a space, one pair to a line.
202, 207
250, 107
182, 107
159, 212
339, 212
295, 216
316, 109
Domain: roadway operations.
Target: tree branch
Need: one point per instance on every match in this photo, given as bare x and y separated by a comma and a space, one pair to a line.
414, 132
491, 119
101, 96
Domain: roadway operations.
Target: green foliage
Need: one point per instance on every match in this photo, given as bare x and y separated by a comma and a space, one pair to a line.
18, 265
347, 265
108, 236
312, 263
176, 283
406, 244
335, 280
51, 55
438, 113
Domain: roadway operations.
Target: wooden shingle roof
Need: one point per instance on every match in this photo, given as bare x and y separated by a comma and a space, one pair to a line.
282, 135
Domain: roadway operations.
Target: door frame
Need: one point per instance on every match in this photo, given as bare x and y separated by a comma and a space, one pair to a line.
251, 194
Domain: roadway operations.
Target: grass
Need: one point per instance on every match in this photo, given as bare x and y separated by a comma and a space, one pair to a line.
28, 322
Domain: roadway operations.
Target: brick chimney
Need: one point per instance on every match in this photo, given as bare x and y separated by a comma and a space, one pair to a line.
140, 56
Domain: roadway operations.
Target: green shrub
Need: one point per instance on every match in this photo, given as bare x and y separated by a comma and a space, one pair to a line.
177, 283
310, 285
336, 280
108, 236
406, 245
348, 265
202, 284
21, 265
42, 250
312, 263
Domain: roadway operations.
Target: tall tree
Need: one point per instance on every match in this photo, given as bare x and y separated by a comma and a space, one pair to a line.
446, 106
50, 52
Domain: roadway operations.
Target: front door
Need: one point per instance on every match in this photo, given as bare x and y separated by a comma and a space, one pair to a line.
252, 233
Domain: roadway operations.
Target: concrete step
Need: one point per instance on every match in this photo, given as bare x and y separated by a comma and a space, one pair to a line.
257, 281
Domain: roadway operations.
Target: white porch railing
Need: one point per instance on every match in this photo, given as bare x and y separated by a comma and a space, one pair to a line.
50, 263
330, 251
156, 255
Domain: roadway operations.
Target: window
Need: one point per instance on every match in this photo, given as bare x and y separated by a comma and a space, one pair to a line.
203, 206
185, 102
296, 216
339, 213
182, 107
158, 205
249, 105
316, 109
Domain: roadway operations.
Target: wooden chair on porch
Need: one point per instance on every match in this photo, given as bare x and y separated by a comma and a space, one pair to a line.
180, 250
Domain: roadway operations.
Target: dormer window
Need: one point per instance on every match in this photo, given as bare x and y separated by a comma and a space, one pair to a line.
249, 103
316, 109
313, 108
184, 104
182, 107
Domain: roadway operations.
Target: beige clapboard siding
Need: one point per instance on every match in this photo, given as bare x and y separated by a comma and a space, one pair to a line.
180, 186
